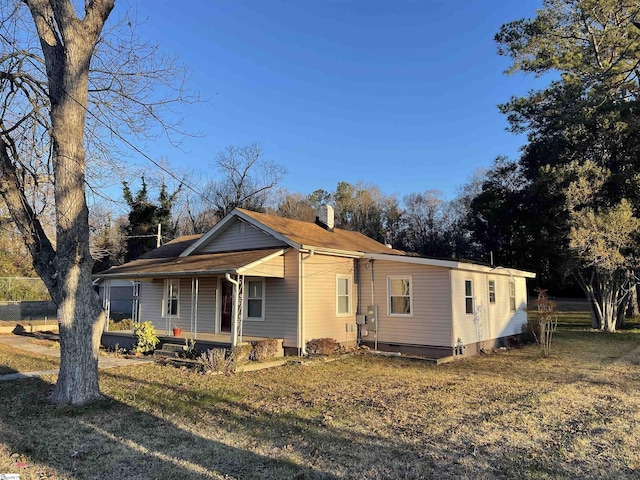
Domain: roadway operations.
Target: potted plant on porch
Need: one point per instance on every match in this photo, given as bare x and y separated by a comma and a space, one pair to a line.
176, 331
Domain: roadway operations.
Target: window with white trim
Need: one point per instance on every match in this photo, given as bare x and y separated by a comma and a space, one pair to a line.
254, 299
468, 296
512, 296
399, 296
343, 295
492, 291
171, 298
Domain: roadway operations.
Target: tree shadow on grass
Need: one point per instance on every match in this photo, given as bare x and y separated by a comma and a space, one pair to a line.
348, 451
111, 439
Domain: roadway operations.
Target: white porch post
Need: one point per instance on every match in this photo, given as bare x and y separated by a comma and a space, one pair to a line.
234, 310
135, 304
106, 302
195, 287
240, 306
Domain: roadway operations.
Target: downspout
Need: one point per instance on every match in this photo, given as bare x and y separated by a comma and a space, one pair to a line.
234, 310
302, 346
373, 304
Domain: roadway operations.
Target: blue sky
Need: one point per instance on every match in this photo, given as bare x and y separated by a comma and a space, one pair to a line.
401, 94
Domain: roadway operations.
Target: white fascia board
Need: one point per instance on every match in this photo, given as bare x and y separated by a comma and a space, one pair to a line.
218, 227
473, 267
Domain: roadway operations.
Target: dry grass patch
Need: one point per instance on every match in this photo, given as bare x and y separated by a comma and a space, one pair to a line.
15, 360
509, 415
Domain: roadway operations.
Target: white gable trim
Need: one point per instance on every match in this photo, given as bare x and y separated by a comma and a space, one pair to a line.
472, 267
221, 226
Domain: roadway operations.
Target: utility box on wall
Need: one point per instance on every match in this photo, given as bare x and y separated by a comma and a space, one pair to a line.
372, 314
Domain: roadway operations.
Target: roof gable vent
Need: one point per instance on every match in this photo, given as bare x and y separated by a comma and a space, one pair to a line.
325, 217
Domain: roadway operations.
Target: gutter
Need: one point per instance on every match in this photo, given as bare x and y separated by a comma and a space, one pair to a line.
332, 251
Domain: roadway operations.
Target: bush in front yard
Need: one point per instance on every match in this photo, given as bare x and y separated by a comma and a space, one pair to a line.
146, 338
322, 346
263, 349
124, 324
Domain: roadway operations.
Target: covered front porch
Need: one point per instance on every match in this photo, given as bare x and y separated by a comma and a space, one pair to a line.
207, 296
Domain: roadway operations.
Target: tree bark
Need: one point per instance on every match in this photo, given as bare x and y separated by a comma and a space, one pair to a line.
68, 44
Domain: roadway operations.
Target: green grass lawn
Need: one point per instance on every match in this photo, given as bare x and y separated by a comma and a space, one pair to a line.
14, 360
506, 415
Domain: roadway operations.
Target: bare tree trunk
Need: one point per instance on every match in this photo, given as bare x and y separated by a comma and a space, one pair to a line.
67, 52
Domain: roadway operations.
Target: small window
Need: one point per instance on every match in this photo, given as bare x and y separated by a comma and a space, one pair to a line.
400, 301
512, 296
254, 292
343, 295
172, 297
492, 291
468, 296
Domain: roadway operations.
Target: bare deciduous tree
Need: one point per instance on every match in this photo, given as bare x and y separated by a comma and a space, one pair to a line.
68, 84
247, 179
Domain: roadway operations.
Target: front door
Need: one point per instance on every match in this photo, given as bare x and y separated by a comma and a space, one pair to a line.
226, 305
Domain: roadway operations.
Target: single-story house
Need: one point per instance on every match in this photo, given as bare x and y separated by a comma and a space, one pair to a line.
261, 275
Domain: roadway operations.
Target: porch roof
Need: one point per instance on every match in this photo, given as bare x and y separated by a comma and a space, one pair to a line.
260, 263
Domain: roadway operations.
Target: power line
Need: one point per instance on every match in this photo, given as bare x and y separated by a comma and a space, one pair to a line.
114, 132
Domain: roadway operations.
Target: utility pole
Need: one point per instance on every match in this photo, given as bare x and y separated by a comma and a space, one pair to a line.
159, 238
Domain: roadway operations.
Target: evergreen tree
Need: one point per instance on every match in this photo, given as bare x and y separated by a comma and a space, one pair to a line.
142, 229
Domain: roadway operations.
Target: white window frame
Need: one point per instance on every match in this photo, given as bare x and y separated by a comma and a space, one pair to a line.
245, 301
390, 278
348, 295
166, 298
491, 291
512, 296
468, 297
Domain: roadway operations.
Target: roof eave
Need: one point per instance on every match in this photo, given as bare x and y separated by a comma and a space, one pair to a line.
450, 264
332, 251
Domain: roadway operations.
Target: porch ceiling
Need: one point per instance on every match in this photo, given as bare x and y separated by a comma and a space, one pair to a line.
251, 262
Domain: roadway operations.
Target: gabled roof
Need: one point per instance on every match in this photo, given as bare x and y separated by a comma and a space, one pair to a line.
298, 234
180, 257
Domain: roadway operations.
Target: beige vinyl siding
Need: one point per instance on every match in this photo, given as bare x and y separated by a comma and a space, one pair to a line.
489, 321
320, 309
281, 306
430, 320
239, 235
274, 267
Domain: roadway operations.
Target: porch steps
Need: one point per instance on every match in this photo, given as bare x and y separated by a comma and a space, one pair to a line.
171, 350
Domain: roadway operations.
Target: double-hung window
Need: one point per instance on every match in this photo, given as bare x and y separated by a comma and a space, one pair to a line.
512, 296
400, 296
343, 295
492, 291
254, 294
172, 298
468, 296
